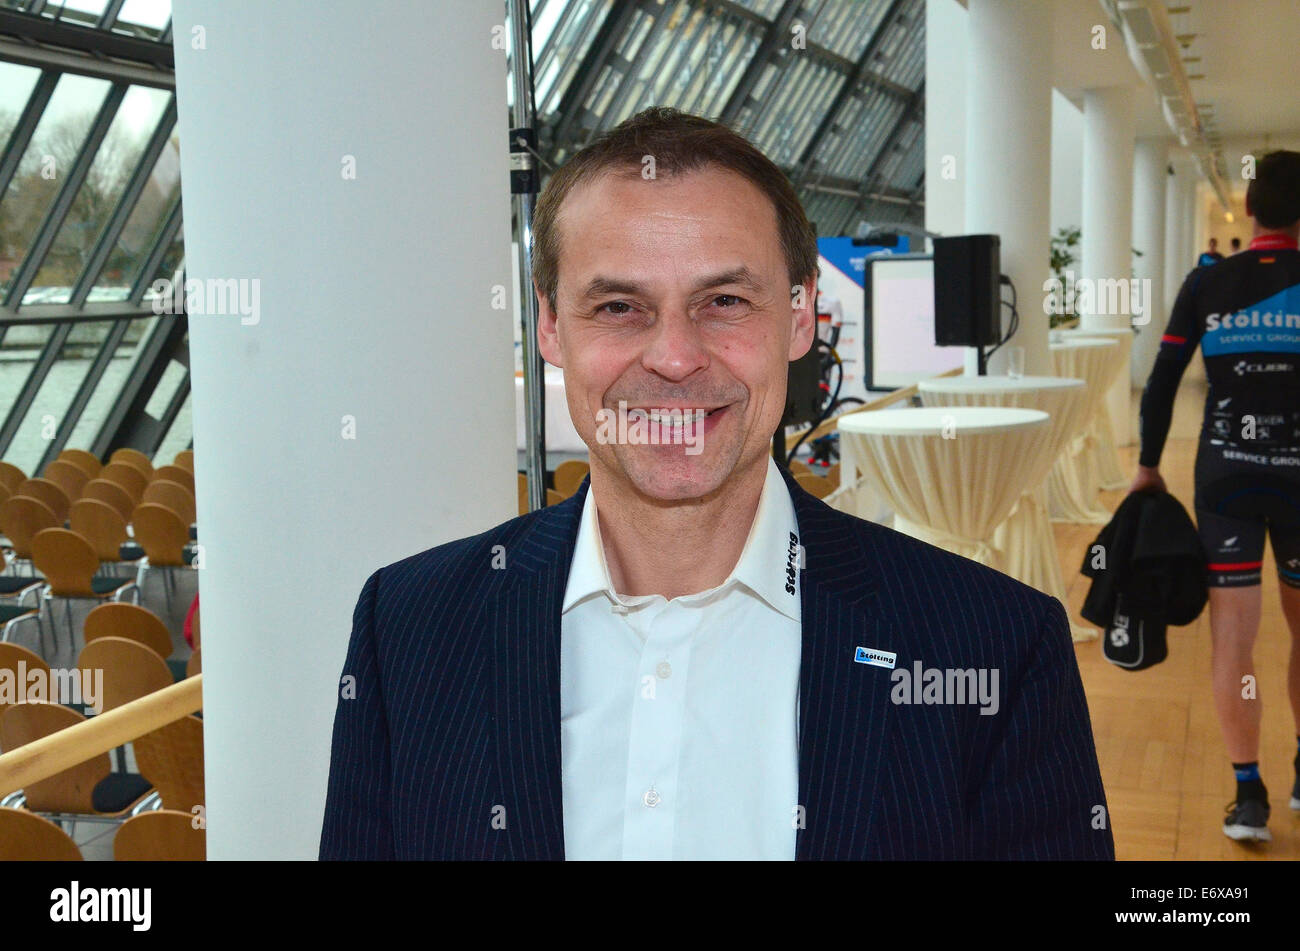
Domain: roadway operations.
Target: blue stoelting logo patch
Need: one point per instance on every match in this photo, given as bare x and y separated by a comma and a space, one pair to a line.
790, 561
876, 658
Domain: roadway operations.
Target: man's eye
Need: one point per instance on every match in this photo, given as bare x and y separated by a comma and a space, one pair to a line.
617, 307
727, 300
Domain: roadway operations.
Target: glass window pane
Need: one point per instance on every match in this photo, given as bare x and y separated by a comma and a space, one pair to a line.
50, 154
76, 11
172, 262
178, 436
162, 394
113, 165
55, 394
145, 18
110, 384
143, 228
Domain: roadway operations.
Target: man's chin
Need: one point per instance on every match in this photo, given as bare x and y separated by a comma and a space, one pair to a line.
676, 476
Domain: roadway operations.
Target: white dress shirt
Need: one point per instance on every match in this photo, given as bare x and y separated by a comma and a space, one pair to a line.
679, 718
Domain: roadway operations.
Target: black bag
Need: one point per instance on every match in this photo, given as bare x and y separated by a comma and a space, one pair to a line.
1134, 643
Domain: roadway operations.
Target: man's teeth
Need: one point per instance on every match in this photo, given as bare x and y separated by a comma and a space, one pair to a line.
682, 418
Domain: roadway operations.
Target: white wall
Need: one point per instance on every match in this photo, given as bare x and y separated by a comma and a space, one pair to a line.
375, 303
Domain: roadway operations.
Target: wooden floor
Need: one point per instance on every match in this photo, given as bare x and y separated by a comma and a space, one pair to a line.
1166, 772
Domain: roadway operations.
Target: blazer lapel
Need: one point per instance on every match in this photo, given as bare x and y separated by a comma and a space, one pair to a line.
525, 630
844, 707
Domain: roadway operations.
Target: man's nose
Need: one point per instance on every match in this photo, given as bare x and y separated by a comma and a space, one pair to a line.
676, 348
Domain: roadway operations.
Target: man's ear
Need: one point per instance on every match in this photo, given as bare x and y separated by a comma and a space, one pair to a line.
548, 336
803, 326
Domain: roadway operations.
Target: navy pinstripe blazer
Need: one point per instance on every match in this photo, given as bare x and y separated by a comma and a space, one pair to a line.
450, 748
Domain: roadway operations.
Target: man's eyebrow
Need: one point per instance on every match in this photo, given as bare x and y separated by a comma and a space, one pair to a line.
599, 286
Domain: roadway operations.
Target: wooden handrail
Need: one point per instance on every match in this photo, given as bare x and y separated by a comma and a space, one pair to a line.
879, 402
43, 758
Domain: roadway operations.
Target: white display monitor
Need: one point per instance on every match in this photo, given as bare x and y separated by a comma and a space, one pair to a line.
898, 331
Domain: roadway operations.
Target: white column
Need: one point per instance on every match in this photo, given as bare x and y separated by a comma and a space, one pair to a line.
1108, 139
1008, 148
1150, 171
1175, 267
1067, 165
332, 434
946, 41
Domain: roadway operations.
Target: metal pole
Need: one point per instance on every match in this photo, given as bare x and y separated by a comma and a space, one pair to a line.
524, 176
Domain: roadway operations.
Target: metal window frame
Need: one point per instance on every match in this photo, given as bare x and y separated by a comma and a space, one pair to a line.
21, 136
98, 367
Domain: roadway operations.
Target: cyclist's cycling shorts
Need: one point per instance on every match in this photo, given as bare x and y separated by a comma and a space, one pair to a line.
1239, 497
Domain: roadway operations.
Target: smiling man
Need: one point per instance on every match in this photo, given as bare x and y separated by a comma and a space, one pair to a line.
692, 658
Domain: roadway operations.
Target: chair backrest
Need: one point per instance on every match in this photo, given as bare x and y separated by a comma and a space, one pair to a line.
88, 461
171, 495
185, 459
171, 758
22, 518
11, 475
553, 497
51, 493
127, 476
131, 670
120, 619
101, 525
70, 790
175, 474
816, 485
19, 661
522, 483
195, 664
569, 475
133, 457
163, 835
68, 476
161, 533
67, 560
112, 493
27, 837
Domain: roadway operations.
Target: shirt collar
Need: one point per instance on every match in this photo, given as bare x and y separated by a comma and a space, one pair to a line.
1272, 242
769, 564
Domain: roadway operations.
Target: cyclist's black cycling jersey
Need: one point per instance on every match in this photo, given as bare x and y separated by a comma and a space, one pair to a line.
1244, 313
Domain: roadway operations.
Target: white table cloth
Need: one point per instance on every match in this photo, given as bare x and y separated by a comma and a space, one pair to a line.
951, 474
1074, 484
1110, 473
1026, 537
560, 434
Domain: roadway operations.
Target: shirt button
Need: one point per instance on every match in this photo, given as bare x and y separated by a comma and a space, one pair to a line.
651, 797
664, 670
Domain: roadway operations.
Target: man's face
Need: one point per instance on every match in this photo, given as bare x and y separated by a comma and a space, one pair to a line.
674, 294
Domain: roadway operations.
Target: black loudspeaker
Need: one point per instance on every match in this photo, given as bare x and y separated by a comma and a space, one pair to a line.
803, 393
967, 290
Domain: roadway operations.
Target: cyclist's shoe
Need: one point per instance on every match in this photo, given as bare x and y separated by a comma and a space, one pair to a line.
1247, 821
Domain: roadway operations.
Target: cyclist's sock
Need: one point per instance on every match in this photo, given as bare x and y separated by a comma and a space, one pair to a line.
1296, 762
1249, 785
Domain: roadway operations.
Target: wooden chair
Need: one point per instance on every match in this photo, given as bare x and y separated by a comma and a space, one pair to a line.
127, 476
569, 475
103, 526
816, 485
22, 518
88, 461
175, 474
11, 475
171, 758
195, 664
27, 837
185, 459
553, 498
833, 475
68, 476
798, 467
133, 457
523, 493
19, 661
131, 621
163, 536
131, 670
89, 790
103, 490
51, 493
69, 564
171, 495
163, 835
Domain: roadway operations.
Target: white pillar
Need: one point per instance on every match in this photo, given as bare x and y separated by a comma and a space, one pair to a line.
945, 117
1150, 170
1108, 138
376, 312
1175, 267
1067, 166
1008, 149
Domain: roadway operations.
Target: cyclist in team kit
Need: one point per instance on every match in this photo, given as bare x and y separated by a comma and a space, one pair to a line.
1243, 313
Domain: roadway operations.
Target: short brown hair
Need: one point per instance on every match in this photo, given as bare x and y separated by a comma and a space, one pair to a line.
679, 143
1273, 195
